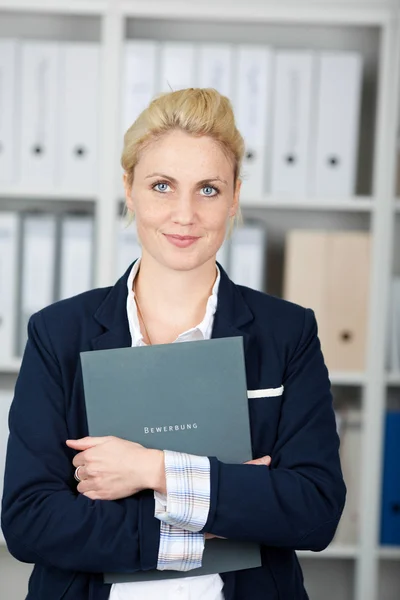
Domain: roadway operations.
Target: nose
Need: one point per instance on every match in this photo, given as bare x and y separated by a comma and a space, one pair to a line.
184, 209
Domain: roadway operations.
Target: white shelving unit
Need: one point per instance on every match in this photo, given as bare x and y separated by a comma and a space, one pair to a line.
367, 571
357, 204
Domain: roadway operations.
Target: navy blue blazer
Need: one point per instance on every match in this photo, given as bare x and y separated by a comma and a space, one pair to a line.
294, 504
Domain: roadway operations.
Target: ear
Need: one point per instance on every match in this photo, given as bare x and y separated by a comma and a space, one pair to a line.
235, 204
128, 193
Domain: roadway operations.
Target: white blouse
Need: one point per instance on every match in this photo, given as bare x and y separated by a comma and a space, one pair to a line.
204, 587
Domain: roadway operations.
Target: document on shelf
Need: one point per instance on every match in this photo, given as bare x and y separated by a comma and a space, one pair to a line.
329, 271
37, 284
216, 68
139, 78
8, 110
337, 124
247, 260
393, 328
223, 255
128, 245
76, 268
9, 246
293, 112
40, 113
79, 116
177, 66
6, 396
350, 434
390, 518
252, 104
162, 399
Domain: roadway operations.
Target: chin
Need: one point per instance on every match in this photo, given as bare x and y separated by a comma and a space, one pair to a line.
186, 263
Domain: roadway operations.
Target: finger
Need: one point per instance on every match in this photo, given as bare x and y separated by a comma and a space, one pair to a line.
86, 485
264, 460
79, 460
86, 442
92, 495
82, 473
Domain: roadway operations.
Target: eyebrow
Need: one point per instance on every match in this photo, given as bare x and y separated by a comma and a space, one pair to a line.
202, 182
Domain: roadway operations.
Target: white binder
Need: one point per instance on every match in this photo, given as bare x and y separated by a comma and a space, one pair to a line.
247, 256
338, 116
393, 328
38, 267
177, 66
292, 114
40, 96
223, 255
215, 68
6, 397
350, 434
128, 245
76, 265
252, 103
8, 284
8, 112
79, 116
139, 79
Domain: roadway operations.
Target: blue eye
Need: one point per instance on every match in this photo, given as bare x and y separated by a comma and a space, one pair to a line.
160, 189
209, 189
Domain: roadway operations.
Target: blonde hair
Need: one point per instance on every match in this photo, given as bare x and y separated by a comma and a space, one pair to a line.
196, 111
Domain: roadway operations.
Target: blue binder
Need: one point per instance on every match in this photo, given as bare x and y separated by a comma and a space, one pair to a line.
390, 516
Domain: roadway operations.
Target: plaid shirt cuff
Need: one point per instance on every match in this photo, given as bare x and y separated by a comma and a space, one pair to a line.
179, 550
188, 491
183, 511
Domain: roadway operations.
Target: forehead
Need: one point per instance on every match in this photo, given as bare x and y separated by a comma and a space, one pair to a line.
180, 151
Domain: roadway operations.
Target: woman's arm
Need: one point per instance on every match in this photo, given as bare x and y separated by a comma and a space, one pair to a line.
298, 502
44, 519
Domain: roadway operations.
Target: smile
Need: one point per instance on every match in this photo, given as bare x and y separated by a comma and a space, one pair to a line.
181, 241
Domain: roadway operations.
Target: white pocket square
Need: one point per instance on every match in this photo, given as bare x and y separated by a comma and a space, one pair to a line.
265, 393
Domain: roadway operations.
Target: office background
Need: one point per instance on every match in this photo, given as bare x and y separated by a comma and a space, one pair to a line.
315, 88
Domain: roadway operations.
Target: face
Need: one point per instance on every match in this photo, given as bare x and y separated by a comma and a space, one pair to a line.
183, 195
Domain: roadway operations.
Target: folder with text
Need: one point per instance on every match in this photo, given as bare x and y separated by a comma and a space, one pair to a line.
162, 396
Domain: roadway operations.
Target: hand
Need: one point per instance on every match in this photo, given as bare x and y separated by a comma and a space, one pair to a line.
264, 460
112, 468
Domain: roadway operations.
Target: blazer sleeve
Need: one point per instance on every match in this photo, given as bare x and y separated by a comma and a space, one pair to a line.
298, 501
44, 519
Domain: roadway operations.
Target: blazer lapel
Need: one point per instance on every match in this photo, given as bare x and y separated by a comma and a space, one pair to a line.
232, 311
113, 317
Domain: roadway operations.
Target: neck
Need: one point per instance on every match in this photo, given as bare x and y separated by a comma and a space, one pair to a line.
179, 297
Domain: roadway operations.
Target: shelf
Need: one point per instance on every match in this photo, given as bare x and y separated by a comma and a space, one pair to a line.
12, 367
255, 11
389, 552
347, 378
393, 378
355, 204
79, 7
13, 192
333, 551
341, 551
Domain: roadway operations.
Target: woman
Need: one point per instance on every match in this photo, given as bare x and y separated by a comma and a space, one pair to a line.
182, 160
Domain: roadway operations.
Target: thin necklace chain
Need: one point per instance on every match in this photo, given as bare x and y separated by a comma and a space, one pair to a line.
140, 314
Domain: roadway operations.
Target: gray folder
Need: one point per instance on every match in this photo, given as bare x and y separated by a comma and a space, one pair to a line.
187, 397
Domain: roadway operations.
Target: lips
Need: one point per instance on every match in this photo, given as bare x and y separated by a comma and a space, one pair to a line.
181, 237
181, 241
